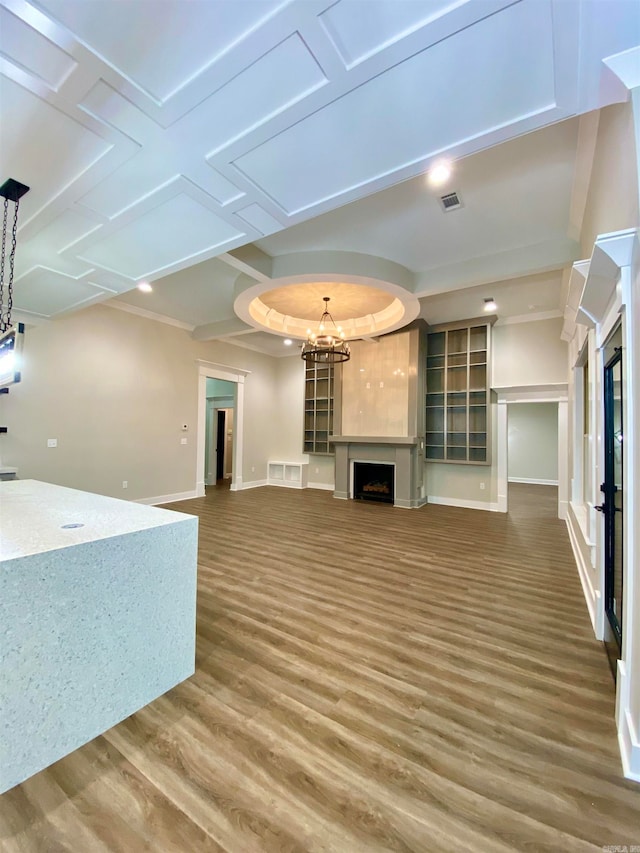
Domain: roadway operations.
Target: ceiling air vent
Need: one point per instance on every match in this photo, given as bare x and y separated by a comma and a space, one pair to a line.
450, 201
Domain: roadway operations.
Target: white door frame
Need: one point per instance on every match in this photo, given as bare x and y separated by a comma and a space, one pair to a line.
212, 370
552, 393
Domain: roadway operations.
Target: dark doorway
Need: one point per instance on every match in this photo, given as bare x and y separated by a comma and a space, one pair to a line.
613, 491
220, 443
373, 482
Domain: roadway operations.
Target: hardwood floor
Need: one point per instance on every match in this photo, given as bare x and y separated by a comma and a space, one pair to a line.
368, 679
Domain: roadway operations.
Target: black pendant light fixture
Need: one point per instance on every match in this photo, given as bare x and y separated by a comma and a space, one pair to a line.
328, 345
11, 337
11, 191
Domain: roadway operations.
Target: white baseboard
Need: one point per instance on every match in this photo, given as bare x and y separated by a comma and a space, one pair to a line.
465, 504
533, 482
252, 484
284, 484
168, 499
329, 487
583, 570
627, 735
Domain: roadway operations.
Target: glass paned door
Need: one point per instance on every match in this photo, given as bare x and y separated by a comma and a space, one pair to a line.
613, 490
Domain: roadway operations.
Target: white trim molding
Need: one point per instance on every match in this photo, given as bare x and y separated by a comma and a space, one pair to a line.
149, 315
251, 484
464, 504
554, 392
532, 482
214, 370
607, 293
167, 499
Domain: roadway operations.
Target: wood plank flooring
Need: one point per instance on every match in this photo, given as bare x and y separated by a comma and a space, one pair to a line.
368, 679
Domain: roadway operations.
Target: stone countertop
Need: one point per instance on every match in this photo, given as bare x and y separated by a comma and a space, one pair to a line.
33, 516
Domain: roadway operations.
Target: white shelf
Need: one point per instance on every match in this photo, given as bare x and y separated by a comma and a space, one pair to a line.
292, 475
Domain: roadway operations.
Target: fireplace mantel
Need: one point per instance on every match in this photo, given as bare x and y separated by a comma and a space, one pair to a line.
374, 439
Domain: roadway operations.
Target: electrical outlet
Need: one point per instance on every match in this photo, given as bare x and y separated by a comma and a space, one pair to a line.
183, 441
52, 442
125, 484
482, 485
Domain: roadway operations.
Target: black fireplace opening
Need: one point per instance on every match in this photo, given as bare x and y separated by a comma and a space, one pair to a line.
373, 481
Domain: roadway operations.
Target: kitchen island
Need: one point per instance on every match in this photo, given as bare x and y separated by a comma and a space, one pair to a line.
97, 617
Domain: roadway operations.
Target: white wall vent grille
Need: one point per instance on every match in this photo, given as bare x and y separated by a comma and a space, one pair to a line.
450, 201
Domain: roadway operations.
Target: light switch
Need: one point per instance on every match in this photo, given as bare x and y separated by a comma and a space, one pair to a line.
52, 442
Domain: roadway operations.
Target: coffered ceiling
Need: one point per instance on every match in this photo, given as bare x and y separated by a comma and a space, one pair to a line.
210, 145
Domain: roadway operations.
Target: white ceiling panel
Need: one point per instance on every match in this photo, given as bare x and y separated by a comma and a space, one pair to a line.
141, 175
173, 233
107, 105
42, 147
280, 78
44, 291
357, 36
529, 296
193, 296
30, 50
264, 113
497, 78
162, 54
260, 219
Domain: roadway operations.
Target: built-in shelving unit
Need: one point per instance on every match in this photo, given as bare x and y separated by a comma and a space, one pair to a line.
457, 404
318, 407
290, 474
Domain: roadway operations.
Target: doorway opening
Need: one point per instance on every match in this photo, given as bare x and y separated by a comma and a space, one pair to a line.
509, 396
221, 403
231, 398
532, 457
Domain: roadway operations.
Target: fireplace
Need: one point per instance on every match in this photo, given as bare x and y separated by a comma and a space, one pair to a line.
399, 457
373, 481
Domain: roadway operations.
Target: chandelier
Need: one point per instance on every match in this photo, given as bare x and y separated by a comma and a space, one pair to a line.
328, 346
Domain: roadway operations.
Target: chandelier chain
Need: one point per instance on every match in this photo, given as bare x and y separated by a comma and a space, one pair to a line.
4, 241
12, 259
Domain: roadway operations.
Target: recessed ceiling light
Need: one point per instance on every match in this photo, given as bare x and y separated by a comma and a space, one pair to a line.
145, 287
490, 304
440, 173
287, 342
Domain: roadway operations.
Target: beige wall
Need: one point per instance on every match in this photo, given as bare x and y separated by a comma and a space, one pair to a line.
467, 483
528, 354
114, 389
287, 445
533, 441
612, 200
522, 354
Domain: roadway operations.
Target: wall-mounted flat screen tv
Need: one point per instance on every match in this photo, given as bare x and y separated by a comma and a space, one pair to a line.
11, 343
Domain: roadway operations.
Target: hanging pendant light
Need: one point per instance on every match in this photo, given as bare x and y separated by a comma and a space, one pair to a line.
13, 191
11, 337
328, 346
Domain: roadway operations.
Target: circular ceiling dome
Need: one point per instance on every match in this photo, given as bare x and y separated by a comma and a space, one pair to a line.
291, 310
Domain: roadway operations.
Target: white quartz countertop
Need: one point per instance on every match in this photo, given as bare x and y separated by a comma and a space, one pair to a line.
34, 515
